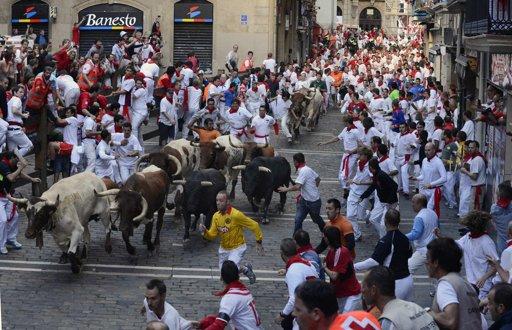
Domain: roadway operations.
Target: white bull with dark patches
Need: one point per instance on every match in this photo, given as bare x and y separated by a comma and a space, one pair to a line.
313, 108
65, 211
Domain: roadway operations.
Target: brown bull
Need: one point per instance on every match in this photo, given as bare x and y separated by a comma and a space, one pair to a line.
143, 194
296, 112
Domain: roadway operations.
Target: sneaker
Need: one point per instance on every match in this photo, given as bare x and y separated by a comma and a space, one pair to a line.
14, 244
3, 250
250, 273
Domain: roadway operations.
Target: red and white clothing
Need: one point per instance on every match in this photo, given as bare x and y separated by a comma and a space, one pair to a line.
171, 317
16, 137
298, 270
432, 172
139, 112
237, 309
151, 71
350, 136
367, 135
346, 286
261, 128
125, 99
477, 166
126, 162
237, 121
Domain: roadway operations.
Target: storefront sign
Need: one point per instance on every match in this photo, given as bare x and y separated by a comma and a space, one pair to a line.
501, 70
102, 18
193, 12
30, 13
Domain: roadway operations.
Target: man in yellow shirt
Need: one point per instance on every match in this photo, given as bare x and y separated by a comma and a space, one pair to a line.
229, 224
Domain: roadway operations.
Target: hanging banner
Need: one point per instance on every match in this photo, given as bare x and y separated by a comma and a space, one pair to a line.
501, 70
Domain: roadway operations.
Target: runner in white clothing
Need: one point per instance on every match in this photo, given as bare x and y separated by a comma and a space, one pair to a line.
68, 90
128, 150
139, 109
16, 137
151, 71
260, 126
238, 118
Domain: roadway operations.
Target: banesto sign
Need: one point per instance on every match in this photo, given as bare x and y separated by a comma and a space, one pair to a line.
112, 19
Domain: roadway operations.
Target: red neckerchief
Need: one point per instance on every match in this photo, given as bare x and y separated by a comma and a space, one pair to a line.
210, 110
169, 98
254, 88
231, 110
118, 129
509, 243
503, 202
126, 76
375, 148
296, 259
361, 164
477, 235
233, 285
299, 166
228, 210
304, 248
478, 153
383, 158
351, 126
377, 97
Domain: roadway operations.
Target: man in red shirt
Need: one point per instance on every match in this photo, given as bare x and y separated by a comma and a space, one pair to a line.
86, 99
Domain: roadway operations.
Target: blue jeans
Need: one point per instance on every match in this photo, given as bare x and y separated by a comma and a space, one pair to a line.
313, 209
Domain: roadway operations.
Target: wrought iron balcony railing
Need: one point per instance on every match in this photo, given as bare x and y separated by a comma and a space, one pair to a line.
488, 17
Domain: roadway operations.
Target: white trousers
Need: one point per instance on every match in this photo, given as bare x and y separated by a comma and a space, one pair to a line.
347, 166
150, 88
404, 288
137, 120
186, 118
356, 211
449, 188
284, 127
71, 97
17, 139
125, 171
377, 216
236, 255
429, 193
464, 198
417, 260
350, 303
89, 157
8, 221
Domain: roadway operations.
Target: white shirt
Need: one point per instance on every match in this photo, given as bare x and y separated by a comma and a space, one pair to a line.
239, 305
306, 177
475, 255
350, 138
430, 222
171, 317
123, 151
194, 98
360, 176
107, 121
238, 120
167, 107
150, 70
262, 127
433, 172
296, 274
103, 165
404, 145
187, 75
367, 136
70, 131
469, 129
14, 103
89, 125
387, 166
280, 107
139, 105
270, 64
66, 83
505, 263
127, 86
477, 166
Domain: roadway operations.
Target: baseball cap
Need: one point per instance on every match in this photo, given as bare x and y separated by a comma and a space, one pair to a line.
123, 33
200, 72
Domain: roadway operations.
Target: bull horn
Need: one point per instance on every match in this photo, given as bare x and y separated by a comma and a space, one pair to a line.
53, 204
177, 162
194, 144
206, 184
106, 193
141, 158
239, 167
17, 200
264, 169
231, 143
144, 210
177, 182
114, 209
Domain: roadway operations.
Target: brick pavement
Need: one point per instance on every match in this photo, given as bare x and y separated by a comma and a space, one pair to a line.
40, 294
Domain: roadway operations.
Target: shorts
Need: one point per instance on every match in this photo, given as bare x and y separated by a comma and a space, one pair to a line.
62, 164
166, 132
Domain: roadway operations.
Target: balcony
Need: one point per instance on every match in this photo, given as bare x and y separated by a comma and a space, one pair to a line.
488, 17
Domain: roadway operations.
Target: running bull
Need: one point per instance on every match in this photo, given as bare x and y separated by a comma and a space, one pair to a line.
143, 194
261, 177
199, 196
65, 210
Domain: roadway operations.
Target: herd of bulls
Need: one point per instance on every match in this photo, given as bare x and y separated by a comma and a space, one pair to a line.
202, 169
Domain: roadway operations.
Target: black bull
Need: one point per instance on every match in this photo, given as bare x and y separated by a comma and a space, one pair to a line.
261, 177
199, 196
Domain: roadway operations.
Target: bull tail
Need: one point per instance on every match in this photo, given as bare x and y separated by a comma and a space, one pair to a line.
290, 180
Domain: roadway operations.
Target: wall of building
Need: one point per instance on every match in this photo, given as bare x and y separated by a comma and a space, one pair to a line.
326, 13
388, 10
257, 35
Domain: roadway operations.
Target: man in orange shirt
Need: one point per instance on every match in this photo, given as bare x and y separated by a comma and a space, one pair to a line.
206, 134
333, 209
337, 75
